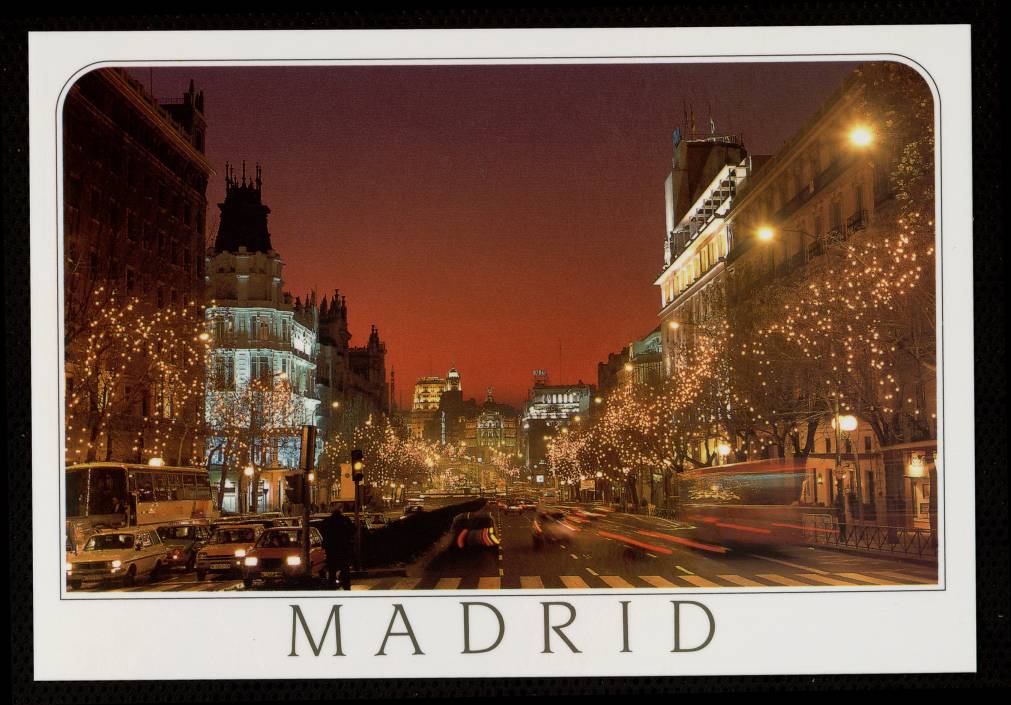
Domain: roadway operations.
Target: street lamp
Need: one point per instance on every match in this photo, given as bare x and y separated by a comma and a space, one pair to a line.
765, 233
674, 325
861, 136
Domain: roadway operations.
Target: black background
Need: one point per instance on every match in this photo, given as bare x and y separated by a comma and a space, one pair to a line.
991, 465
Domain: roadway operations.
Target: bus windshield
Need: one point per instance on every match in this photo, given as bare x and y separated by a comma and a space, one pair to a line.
97, 490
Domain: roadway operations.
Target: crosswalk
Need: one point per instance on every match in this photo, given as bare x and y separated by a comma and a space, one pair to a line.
588, 580
592, 580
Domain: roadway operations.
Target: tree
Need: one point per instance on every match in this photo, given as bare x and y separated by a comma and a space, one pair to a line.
136, 372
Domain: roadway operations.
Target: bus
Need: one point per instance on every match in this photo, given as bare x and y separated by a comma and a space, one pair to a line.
107, 495
759, 501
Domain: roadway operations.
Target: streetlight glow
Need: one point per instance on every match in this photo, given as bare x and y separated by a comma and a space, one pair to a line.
765, 233
861, 136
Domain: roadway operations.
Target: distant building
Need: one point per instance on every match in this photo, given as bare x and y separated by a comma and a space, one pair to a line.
549, 408
493, 429
134, 184
641, 361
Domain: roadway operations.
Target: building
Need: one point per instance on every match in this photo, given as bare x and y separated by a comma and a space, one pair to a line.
492, 430
753, 224
832, 184
641, 359
699, 193
549, 408
134, 184
424, 416
295, 351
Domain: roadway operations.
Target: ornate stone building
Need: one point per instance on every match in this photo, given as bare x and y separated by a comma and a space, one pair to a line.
260, 332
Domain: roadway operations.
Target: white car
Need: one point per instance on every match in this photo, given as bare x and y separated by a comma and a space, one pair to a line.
118, 554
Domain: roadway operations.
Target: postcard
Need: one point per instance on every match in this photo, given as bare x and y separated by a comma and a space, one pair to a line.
502, 353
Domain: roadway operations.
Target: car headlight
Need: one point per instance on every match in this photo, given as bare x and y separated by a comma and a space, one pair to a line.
251, 561
240, 552
294, 560
116, 564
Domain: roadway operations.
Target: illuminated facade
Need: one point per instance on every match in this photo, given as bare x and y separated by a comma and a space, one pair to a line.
493, 430
699, 193
258, 332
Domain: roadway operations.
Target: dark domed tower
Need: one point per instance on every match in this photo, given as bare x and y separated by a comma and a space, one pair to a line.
243, 215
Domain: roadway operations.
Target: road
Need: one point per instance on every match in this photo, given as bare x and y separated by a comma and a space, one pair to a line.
615, 550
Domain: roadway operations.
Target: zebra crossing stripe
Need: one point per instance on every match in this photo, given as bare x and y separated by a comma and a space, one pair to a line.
531, 581
489, 583
573, 581
827, 580
406, 584
447, 584
615, 581
657, 581
781, 580
699, 581
860, 577
742, 581
906, 578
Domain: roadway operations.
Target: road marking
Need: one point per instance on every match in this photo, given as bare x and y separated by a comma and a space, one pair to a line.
573, 581
574, 556
489, 583
780, 580
406, 584
905, 578
699, 581
827, 580
360, 586
868, 579
616, 582
651, 555
741, 580
531, 581
791, 565
684, 570
591, 571
657, 581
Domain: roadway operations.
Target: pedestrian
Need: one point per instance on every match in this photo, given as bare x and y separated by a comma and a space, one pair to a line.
338, 534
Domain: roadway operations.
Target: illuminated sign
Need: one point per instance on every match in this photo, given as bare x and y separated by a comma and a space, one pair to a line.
539, 479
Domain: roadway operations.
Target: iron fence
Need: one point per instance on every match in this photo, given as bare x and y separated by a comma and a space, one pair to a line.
921, 543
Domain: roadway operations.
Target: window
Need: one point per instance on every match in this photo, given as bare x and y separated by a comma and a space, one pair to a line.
828, 445
868, 444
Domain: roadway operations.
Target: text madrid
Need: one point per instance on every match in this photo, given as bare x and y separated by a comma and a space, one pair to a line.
326, 638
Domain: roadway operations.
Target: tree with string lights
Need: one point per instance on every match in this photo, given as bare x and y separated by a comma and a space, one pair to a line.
134, 371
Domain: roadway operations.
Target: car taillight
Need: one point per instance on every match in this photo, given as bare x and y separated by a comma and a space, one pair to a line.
461, 538
537, 527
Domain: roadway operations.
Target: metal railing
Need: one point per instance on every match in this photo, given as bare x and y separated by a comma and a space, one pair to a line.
921, 543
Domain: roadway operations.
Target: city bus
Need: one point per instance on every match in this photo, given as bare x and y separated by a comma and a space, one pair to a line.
106, 495
759, 501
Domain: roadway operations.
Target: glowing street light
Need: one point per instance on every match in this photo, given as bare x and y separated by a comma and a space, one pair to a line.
723, 449
861, 136
765, 233
847, 423
629, 367
674, 325
156, 462
248, 471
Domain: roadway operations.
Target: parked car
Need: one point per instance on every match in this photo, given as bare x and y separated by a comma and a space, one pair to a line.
413, 509
118, 554
473, 530
551, 525
277, 556
184, 539
224, 552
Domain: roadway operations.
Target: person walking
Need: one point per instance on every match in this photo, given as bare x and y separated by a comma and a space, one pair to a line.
338, 536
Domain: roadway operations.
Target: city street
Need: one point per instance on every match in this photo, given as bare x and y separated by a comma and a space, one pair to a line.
616, 550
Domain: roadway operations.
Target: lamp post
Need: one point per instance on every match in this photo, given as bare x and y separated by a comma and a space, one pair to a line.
846, 424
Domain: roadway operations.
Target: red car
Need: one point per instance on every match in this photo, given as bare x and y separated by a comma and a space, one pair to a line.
277, 556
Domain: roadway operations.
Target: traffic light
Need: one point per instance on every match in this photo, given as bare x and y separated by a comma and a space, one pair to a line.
293, 488
357, 465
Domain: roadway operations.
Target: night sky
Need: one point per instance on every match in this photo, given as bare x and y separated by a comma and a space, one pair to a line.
487, 215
